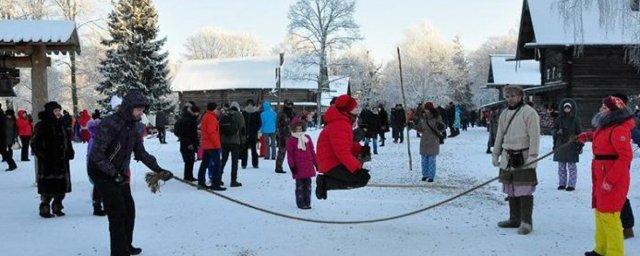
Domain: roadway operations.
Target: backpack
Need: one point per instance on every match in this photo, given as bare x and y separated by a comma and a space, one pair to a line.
227, 125
178, 130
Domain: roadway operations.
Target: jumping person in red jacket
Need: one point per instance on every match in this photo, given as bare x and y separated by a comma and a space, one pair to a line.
337, 153
610, 172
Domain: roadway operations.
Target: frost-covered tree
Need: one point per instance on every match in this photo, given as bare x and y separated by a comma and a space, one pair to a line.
427, 64
364, 74
479, 65
620, 15
212, 43
134, 59
459, 81
321, 27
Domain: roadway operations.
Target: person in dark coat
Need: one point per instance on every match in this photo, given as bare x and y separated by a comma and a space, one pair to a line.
283, 133
188, 136
3, 142
161, 126
398, 123
116, 139
567, 126
493, 128
52, 146
253, 123
11, 132
384, 124
370, 123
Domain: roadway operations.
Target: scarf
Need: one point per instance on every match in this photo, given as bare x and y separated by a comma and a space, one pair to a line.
302, 140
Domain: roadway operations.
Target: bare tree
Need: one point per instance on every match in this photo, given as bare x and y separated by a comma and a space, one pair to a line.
364, 74
321, 27
213, 43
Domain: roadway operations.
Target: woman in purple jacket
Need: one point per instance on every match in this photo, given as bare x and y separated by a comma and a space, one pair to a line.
301, 157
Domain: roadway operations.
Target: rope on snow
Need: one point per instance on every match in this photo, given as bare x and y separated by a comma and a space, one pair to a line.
354, 222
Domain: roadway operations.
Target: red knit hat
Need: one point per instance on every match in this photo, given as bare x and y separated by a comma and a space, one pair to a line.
346, 103
614, 103
429, 106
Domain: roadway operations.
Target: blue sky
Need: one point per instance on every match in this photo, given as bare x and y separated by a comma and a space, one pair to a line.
383, 22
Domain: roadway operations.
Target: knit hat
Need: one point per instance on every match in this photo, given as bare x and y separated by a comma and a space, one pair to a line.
429, 106
346, 103
115, 102
296, 122
50, 106
235, 105
195, 109
614, 103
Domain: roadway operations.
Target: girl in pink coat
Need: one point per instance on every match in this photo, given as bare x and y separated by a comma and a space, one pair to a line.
301, 157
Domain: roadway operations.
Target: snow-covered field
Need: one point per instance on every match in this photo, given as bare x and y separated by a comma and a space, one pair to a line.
183, 221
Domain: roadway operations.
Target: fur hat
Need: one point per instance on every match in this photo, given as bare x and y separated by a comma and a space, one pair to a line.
50, 106
346, 103
614, 103
429, 106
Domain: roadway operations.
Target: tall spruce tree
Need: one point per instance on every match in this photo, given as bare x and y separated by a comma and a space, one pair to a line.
134, 60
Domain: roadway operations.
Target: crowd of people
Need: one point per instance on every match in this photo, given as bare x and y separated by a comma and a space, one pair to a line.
232, 133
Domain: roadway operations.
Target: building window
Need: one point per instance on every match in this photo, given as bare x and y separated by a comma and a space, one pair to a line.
553, 73
548, 75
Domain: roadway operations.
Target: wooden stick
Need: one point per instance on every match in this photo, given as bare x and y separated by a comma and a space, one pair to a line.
404, 100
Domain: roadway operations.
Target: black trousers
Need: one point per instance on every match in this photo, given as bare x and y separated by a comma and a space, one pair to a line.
121, 212
398, 133
96, 197
7, 155
303, 192
189, 158
162, 134
234, 150
626, 215
25, 140
52, 200
340, 178
250, 145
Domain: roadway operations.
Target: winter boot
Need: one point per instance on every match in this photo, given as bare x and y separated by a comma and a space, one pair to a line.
321, 190
570, 189
514, 214
134, 250
592, 253
488, 150
235, 184
561, 187
280, 171
627, 233
97, 210
45, 211
57, 210
218, 188
526, 211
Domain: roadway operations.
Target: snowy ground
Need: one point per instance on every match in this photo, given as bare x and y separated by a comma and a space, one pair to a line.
183, 221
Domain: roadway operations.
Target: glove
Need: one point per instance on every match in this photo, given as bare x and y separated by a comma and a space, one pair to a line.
165, 175
496, 161
293, 170
584, 137
363, 170
119, 179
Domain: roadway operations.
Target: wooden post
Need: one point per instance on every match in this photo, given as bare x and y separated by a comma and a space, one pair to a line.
404, 101
39, 90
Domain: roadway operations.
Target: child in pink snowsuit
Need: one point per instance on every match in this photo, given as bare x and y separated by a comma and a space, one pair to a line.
301, 157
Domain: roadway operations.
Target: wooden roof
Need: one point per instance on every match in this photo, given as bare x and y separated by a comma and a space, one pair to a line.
59, 37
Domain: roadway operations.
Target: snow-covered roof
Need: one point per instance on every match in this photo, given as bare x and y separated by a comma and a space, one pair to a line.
235, 74
542, 25
48, 32
505, 71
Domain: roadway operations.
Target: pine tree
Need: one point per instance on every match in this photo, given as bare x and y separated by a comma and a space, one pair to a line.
460, 79
134, 60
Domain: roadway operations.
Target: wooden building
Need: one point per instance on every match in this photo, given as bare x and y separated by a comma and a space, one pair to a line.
505, 71
585, 66
239, 79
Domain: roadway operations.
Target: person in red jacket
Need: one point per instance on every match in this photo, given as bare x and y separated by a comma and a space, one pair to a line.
611, 142
337, 153
25, 130
210, 143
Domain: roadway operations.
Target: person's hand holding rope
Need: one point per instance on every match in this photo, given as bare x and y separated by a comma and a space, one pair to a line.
153, 179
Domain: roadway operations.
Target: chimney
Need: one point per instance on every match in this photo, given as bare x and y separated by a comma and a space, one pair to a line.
281, 58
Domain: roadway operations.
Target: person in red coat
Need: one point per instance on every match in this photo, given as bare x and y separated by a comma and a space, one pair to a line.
337, 152
611, 142
83, 121
25, 130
